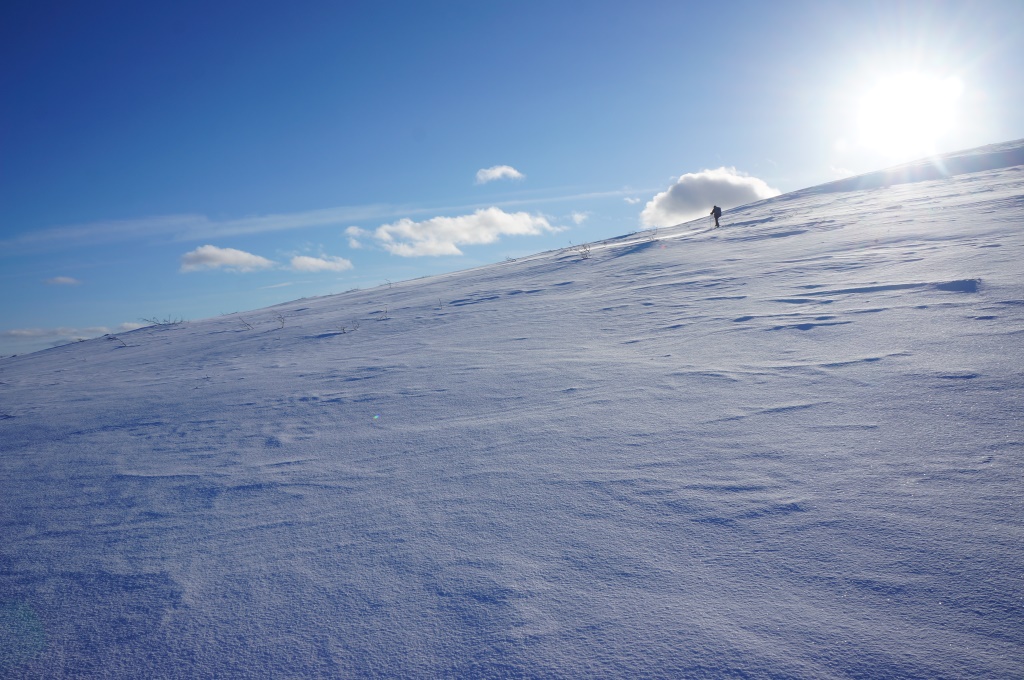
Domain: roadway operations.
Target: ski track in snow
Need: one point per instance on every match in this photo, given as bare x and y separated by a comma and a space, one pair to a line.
786, 448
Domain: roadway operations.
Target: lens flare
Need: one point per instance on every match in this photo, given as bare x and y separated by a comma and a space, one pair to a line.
907, 114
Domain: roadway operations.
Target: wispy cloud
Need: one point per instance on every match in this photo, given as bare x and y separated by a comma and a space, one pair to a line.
63, 281
212, 257
98, 233
444, 235
693, 195
65, 334
579, 217
354, 234
632, 200
324, 263
49, 332
282, 222
485, 175
840, 172
188, 227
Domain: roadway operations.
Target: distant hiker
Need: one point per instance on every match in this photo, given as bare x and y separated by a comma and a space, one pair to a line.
716, 212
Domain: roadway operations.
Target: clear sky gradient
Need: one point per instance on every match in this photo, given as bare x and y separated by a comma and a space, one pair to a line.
188, 159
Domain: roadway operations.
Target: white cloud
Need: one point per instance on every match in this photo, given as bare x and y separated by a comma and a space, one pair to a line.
63, 281
485, 175
325, 263
579, 217
443, 235
694, 194
354, 234
631, 200
212, 257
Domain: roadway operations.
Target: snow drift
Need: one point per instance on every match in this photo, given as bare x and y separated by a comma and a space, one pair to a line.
787, 448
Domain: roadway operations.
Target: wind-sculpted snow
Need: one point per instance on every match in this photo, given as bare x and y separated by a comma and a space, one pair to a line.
786, 448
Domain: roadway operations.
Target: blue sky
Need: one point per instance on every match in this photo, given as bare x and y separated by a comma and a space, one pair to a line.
187, 159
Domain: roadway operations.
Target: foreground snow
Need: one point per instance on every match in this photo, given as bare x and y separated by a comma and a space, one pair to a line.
790, 447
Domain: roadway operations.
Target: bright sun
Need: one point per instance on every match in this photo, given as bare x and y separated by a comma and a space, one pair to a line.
905, 115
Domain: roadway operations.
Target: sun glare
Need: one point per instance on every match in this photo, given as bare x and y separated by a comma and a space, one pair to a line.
907, 114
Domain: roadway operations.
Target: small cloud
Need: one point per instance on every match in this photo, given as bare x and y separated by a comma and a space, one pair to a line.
354, 234
443, 235
694, 194
326, 263
212, 257
631, 200
278, 285
486, 175
63, 281
579, 217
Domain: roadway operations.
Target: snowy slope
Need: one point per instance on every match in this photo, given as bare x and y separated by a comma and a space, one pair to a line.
787, 448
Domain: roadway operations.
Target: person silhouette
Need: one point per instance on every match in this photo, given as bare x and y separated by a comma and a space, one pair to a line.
716, 212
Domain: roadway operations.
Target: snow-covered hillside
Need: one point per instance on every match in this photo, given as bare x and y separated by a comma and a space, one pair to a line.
787, 448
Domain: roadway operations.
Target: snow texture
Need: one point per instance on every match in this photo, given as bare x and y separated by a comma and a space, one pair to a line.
786, 448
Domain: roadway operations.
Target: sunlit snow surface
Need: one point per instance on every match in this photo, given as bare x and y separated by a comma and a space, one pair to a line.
787, 448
